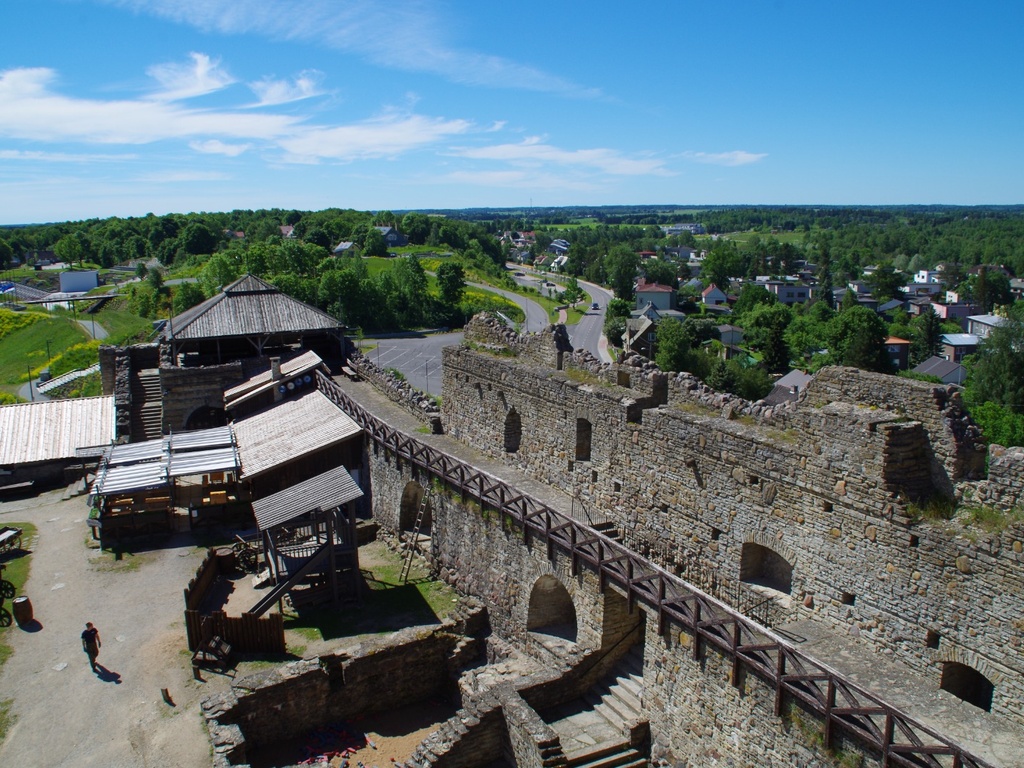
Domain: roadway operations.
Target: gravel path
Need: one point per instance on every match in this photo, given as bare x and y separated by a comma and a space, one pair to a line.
68, 716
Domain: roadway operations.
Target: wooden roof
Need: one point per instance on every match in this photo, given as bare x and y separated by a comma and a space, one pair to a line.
248, 307
289, 430
327, 491
54, 429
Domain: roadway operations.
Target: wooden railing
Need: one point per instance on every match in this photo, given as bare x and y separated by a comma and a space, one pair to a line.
840, 703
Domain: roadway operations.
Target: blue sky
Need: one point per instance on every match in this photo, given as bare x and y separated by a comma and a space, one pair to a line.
124, 107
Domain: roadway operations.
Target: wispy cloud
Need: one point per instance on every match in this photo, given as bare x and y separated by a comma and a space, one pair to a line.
272, 92
29, 109
202, 75
389, 135
408, 35
521, 180
217, 147
533, 151
736, 157
61, 157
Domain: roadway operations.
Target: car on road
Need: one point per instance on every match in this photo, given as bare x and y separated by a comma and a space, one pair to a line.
595, 305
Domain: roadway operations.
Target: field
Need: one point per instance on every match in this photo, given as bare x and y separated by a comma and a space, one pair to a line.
34, 346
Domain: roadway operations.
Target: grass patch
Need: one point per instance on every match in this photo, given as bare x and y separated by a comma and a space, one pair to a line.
122, 326
935, 507
16, 569
117, 560
388, 604
584, 377
25, 348
991, 520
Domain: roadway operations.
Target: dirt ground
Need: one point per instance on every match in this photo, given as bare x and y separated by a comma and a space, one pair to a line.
65, 715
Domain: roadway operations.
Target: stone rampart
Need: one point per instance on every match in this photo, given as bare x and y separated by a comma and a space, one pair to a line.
805, 503
399, 391
199, 388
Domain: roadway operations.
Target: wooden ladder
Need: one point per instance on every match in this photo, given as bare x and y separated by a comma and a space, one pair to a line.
414, 544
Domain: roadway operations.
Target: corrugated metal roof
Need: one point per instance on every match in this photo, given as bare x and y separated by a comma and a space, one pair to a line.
248, 307
128, 478
307, 361
134, 453
54, 429
202, 439
327, 491
288, 430
201, 462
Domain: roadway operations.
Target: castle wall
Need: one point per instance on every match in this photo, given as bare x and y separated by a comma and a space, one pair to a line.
187, 390
703, 482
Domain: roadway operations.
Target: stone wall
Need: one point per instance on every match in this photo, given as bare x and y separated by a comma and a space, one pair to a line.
187, 390
1004, 486
705, 481
411, 666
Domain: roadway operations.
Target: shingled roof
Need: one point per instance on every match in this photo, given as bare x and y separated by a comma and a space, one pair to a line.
248, 307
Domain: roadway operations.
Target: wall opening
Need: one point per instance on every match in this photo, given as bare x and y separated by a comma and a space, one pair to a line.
968, 684
765, 567
848, 598
584, 436
513, 431
206, 418
932, 639
551, 609
412, 496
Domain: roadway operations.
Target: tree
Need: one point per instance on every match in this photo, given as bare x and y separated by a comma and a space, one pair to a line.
856, 337
218, 271
186, 296
614, 329
373, 243
451, 282
660, 272
927, 336
69, 249
765, 328
573, 294
673, 350
197, 238
750, 297
618, 308
155, 280
6, 254
621, 265
995, 372
806, 333
886, 283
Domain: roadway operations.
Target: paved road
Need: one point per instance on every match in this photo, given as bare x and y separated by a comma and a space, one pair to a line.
589, 332
417, 357
536, 315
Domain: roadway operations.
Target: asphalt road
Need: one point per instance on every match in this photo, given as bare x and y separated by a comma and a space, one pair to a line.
536, 315
417, 357
587, 333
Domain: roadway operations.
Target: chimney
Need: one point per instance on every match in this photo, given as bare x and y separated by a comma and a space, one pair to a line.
275, 376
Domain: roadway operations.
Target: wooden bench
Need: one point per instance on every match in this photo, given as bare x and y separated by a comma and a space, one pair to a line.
10, 538
350, 373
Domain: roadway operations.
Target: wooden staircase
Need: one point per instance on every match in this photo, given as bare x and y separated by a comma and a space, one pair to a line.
147, 405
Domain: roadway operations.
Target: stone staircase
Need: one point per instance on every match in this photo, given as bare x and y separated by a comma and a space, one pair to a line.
608, 529
593, 731
147, 405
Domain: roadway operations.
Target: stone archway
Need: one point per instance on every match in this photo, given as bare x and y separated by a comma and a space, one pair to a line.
552, 611
206, 418
968, 684
412, 496
765, 567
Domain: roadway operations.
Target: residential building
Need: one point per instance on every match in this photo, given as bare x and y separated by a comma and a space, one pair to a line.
898, 351
982, 325
956, 346
392, 237
660, 296
788, 292
946, 370
928, 276
788, 388
714, 296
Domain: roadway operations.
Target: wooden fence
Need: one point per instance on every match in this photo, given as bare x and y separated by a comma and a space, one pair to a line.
246, 633
752, 648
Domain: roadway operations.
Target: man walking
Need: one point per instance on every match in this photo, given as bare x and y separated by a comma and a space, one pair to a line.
91, 643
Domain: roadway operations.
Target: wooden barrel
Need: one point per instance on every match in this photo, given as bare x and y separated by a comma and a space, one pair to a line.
22, 610
226, 560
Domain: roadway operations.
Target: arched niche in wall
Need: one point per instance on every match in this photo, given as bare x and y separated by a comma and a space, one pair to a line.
551, 609
765, 567
513, 431
968, 684
412, 496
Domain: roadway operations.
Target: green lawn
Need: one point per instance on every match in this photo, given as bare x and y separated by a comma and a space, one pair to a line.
26, 348
122, 326
15, 573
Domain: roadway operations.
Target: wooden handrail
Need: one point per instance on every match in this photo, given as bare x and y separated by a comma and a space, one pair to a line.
708, 619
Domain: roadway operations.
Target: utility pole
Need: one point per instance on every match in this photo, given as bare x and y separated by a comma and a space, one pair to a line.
31, 396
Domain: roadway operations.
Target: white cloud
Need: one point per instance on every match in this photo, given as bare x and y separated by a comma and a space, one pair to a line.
389, 135
533, 151
201, 76
409, 35
61, 157
521, 180
271, 92
734, 158
217, 147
